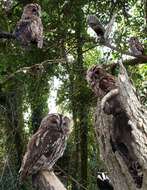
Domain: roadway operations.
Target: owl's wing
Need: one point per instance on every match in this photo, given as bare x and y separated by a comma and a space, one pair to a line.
41, 141
95, 24
140, 47
23, 31
37, 31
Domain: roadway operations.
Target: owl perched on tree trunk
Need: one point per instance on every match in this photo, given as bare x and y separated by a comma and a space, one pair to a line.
46, 146
100, 81
29, 28
135, 46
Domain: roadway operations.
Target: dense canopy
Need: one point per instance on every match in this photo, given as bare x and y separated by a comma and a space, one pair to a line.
36, 81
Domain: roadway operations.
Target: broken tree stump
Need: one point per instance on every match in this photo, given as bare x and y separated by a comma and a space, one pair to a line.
121, 129
46, 180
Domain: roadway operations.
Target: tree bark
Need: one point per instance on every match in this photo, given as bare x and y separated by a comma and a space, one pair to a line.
122, 137
46, 180
82, 105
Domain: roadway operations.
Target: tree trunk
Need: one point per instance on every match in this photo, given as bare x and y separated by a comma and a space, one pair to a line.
122, 137
13, 127
82, 104
46, 180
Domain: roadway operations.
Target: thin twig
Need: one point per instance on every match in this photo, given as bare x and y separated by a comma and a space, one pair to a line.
138, 59
7, 35
73, 179
5, 164
27, 69
124, 52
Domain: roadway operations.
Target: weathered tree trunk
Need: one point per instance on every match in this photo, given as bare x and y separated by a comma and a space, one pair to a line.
46, 180
122, 137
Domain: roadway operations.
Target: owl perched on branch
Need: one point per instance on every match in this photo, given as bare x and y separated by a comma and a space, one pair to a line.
46, 146
135, 46
95, 24
7, 5
30, 29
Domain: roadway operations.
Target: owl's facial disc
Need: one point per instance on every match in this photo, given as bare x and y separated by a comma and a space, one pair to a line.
66, 125
62, 122
35, 11
66, 121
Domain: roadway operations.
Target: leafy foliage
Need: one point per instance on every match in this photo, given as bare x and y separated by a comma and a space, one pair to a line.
65, 37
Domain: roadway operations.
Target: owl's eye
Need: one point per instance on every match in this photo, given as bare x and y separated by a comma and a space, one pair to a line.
97, 72
64, 123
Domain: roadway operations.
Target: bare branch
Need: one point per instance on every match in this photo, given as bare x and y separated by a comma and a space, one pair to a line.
7, 35
73, 179
46, 180
126, 53
138, 59
26, 70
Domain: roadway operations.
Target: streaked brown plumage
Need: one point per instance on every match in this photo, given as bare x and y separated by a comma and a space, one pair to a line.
100, 81
94, 23
46, 146
29, 28
135, 46
7, 5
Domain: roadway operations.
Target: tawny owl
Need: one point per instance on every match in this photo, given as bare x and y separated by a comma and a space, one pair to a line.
100, 81
46, 146
135, 46
7, 5
29, 28
95, 24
